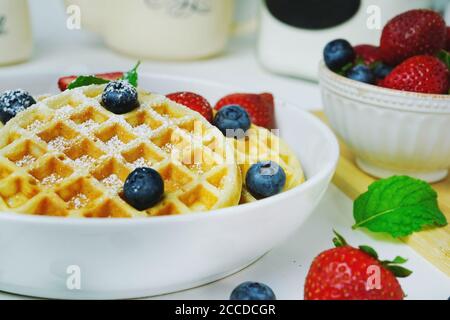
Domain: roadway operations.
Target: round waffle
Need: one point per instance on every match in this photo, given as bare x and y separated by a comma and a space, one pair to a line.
69, 156
261, 144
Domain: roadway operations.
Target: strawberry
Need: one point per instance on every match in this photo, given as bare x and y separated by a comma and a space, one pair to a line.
447, 46
260, 107
348, 273
368, 53
193, 101
424, 74
64, 82
415, 32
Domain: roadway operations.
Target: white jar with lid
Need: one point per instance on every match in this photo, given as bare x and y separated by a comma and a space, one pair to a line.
15, 31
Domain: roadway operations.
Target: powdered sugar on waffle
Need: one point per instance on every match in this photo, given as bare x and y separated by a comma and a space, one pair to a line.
25, 161
113, 182
197, 168
78, 201
114, 143
64, 112
141, 163
59, 144
87, 126
84, 160
143, 130
51, 179
35, 126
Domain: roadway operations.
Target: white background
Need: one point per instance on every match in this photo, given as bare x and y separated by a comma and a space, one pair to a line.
284, 268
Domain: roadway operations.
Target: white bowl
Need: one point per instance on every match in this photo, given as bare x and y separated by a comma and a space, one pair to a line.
136, 258
390, 131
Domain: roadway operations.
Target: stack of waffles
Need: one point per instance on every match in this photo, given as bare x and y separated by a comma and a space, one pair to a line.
69, 156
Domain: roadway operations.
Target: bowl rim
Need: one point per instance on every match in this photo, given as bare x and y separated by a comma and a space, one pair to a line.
329, 75
324, 173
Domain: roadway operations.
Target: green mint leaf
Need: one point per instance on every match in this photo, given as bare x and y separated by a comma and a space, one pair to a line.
399, 272
399, 206
370, 251
132, 75
83, 81
444, 56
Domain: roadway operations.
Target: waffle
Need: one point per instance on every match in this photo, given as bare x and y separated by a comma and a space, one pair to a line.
68, 156
262, 145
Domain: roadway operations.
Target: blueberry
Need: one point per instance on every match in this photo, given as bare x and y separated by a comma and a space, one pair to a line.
361, 73
382, 70
232, 117
265, 179
338, 53
12, 102
252, 291
143, 188
120, 97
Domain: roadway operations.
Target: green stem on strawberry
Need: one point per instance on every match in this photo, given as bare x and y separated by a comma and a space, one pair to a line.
444, 56
392, 265
339, 240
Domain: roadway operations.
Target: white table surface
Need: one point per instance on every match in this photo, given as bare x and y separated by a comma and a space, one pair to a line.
285, 267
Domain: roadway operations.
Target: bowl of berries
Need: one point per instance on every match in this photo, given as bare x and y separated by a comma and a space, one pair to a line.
391, 103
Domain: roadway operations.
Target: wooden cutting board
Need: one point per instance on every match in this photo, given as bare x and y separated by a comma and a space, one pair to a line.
433, 244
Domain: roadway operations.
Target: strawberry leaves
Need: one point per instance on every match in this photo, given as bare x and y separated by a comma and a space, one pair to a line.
339, 240
392, 265
444, 56
399, 206
370, 251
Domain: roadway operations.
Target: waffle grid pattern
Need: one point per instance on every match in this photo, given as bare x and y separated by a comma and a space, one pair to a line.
262, 145
68, 156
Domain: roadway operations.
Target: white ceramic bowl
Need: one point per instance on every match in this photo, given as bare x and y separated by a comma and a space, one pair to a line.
137, 258
390, 131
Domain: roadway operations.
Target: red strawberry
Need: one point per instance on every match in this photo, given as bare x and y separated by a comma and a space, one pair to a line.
447, 46
424, 74
348, 273
193, 101
64, 82
260, 107
412, 33
368, 53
